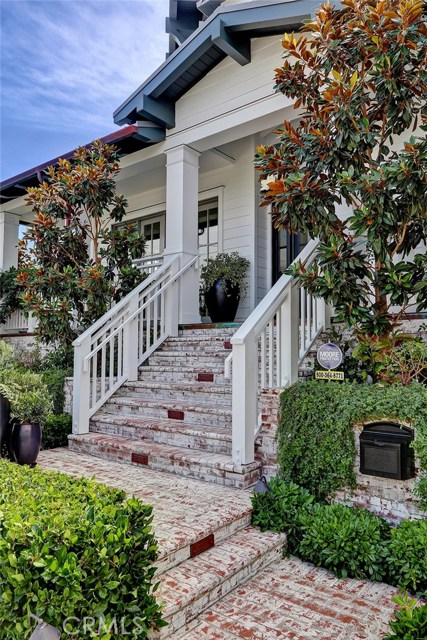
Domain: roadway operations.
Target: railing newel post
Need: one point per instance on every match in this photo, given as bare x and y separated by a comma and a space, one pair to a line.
81, 388
245, 400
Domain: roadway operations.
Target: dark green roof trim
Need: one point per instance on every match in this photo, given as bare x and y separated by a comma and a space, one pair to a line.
226, 32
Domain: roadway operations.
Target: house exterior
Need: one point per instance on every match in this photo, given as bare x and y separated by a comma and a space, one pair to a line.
188, 138
198, 119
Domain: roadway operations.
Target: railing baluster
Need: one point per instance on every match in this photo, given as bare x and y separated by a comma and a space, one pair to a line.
302, 320
270, 354
263, 361
278, 346
308, 332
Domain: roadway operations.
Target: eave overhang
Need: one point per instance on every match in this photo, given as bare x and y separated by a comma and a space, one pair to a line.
227, 32
127, 140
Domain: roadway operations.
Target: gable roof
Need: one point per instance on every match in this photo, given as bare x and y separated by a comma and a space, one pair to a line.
227, 32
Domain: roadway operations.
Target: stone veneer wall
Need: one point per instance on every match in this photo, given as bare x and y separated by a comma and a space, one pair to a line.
391, 499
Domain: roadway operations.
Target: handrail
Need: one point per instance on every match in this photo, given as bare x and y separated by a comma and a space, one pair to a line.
267, 350
141, 308
123, 302
263, 313
111, 350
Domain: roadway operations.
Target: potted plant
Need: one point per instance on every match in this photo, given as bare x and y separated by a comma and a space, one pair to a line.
30, 404
222, 283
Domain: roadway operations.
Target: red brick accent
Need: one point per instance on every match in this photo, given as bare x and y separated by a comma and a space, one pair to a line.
205, 377
228, 345
140, 458
175, 415
202, 545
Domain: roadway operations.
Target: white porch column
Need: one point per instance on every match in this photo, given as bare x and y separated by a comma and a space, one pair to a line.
182, 188
9, 235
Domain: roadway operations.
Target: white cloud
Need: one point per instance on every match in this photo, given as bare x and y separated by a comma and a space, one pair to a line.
67, 64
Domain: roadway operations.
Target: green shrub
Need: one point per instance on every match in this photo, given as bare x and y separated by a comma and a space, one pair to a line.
280, 509
55, 431
407, 559
316, 443
54, 379
410, 620
72, 547
346, 540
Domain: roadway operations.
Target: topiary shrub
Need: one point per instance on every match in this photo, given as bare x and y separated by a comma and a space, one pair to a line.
316, 447
73, 548
407, 556
346, 540
55, 431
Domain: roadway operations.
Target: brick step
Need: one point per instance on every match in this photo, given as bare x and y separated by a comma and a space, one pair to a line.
197, 346
208, 330
183, 392
197, 535
201, 465
195, 585
198, 358
207, 375
169, 432
200, 413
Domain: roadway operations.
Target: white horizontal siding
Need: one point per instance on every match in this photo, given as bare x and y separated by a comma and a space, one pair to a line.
229, 86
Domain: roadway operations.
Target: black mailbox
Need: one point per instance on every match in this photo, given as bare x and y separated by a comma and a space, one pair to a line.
385, 451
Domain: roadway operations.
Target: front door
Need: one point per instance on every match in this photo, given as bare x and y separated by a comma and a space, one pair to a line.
286, 247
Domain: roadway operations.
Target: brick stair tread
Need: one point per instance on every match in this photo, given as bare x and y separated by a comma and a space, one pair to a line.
180, 386
219, 433
205, 573
198, 407
189, 456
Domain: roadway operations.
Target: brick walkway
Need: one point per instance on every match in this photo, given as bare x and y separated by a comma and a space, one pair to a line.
244, 590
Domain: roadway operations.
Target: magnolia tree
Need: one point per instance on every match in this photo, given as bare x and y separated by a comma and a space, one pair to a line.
359, 79
73, 261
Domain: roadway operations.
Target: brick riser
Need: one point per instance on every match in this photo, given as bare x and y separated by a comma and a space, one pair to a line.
200, 465
172, 374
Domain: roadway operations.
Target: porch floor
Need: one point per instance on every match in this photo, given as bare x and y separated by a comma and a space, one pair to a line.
241, 587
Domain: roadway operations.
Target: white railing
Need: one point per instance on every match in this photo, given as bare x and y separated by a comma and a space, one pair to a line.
267, 350
149, 264
18, 322
110, 352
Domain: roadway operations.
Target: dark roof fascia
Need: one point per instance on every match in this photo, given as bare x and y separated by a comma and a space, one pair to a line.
128, 140
229, 29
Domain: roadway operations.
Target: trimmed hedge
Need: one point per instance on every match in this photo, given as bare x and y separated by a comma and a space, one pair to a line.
73, 547
315, 436
55, 431
346, 540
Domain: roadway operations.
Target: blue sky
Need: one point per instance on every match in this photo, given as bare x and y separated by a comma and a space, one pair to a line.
65, 66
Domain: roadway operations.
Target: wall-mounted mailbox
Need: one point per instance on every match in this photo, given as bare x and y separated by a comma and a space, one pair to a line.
385, 451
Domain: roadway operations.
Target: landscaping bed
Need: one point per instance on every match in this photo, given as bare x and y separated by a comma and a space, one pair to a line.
72, 549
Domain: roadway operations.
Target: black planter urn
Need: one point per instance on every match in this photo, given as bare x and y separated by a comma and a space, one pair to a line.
4, 424
25, 441
222, 306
